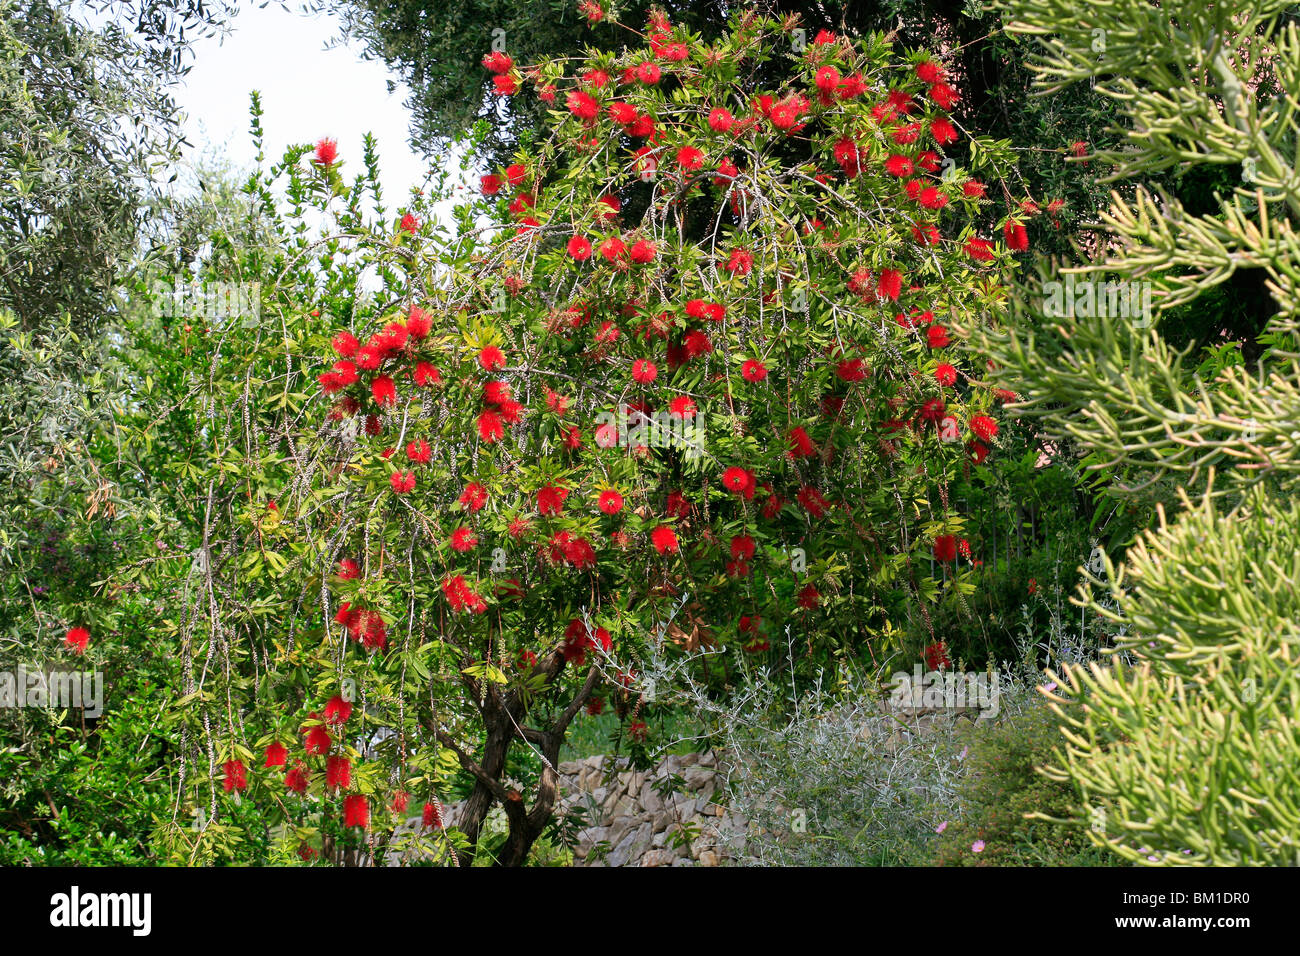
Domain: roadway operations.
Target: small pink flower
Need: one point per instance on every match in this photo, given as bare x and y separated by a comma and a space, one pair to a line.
941, 827
977, 846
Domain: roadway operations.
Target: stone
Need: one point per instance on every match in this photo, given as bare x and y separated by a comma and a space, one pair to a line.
658, 858
708, 858
697, 777
651, 801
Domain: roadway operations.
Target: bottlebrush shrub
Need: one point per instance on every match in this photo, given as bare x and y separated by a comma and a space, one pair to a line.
682, 386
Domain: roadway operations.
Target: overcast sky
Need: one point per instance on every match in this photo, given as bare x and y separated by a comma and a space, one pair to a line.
307, 92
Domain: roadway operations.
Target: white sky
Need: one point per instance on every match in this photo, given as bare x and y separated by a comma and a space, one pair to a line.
307, 92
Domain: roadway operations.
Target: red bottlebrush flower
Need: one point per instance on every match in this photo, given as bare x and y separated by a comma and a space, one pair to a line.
851, 370
373, 425
637, 730
897, 165
812, 501
890, 285
317, 740
727, 171
382, 388
981, 250
648, 73
402, 483
419, 451
664, 539
690, 158
418, 322
643, 252
932, 198
374, 634
495, 393
943, 131
580, 248
298, 778
337, 710
936, 336
77, 639
1004, 395
338, 773
742, 547
345, 344
1017, 238
932, 410
356, 810
463, 540
699, 309
697, 343
582, 105
610, 502
1033, 586
944, 95
913, 189
236, 778
432, 817
505, 85
786, 115
973, 189
474, 497
426, 374
929, 72
677, 505
612, 249
741, 262
945, 548
945, 374
624, 114
410, 224
963, 548
753, 371
851, 87
595, 706
827, 79
401, 800
516, 173
740, 481
644, 371
926, 235
556, 402
936, 656
276, 755
929, 161
721, 120
580, 553
641, 128
907, 133
809, 597
683, 406
490, 184
978, 451
327, 150
984, 426
801, 446
612, 205
492, 358
498, 62
550, 500
849, 155
490, 427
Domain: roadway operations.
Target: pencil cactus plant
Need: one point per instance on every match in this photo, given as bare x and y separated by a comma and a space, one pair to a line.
1183, 746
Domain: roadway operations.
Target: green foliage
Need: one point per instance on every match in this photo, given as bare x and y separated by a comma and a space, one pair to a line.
1183, 750
1004, 784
